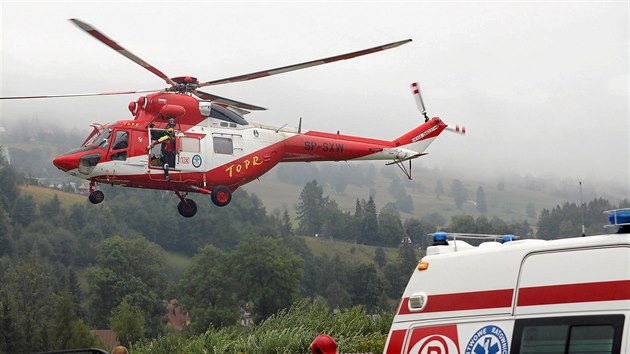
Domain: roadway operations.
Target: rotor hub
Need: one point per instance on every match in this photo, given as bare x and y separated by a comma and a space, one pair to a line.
185, 84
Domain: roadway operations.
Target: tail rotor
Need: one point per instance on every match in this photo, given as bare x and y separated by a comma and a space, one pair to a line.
415, 90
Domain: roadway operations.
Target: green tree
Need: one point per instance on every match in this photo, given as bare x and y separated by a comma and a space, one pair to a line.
67, 330
6, 230
439, 189
126, 269
309, 208
335, 222
9, 179
51, 208
463, 223
367, 287
369, 226
480, 203
127, 321
418, 231
390, 227
28, 292
459, 193
269, 274
208, 289
24, 210
379, 257
286, 227
398, 273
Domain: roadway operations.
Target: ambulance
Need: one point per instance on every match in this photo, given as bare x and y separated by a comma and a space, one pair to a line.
569, 296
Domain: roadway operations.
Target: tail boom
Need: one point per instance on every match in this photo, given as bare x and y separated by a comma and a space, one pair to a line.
321, 146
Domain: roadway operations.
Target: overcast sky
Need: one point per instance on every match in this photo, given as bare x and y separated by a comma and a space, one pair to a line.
542, 87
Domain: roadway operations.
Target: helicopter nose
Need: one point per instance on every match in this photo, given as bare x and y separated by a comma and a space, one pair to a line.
66, 162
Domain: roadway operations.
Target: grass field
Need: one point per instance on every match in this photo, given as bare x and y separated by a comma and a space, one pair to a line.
347, 251
43, 195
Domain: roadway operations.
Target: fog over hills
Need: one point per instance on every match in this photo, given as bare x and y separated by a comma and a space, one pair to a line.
541, 87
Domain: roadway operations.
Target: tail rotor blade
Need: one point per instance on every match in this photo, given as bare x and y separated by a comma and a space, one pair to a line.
457, 129
415, 89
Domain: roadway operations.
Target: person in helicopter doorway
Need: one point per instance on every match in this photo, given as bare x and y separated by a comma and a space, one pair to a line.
168, 148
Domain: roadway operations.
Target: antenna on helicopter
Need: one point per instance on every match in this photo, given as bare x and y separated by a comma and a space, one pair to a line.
300, 126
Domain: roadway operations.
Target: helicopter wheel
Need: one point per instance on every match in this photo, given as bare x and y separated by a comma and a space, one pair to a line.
96, 197
187, 208
221, 196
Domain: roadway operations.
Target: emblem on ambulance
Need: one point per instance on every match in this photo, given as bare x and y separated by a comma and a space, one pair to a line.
488, 340
196, 161
436, 344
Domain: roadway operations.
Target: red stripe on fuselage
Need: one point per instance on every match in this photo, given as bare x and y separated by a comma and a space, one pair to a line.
320, 146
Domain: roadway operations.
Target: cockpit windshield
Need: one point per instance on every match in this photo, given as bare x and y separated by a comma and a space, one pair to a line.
98, 138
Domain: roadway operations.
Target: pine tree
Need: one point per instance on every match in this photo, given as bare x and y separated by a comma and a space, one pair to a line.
459, 193
309, 209
369, 227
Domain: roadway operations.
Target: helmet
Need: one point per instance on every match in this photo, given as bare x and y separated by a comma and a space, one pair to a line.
324, 344
170, 130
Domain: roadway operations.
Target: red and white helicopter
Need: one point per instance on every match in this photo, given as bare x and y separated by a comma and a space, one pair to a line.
216, 149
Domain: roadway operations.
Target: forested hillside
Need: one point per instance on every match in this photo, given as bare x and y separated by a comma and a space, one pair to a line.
68, 267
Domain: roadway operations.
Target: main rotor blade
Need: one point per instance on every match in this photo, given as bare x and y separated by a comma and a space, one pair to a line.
227, 101
76, 95
308, 64
117, 47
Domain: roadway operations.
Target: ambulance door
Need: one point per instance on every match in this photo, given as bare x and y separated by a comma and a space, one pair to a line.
191, 153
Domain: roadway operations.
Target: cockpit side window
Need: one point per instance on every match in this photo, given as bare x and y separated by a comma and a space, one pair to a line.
225, 114
122, 140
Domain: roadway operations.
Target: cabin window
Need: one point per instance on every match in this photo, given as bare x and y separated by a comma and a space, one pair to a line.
569, 335
223, 146
189, 144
